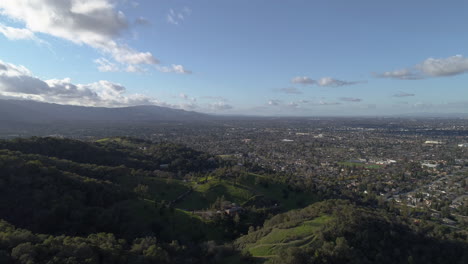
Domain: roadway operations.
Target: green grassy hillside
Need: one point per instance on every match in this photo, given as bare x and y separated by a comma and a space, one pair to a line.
279, 239
336, 231
246, 191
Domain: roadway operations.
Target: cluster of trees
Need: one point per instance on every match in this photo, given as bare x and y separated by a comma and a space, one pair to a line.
23, 246
71, 210
360, 235
36, 194
128, 152
45, 199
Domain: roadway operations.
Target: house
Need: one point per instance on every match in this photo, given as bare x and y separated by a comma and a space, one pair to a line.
429, 165
233, 209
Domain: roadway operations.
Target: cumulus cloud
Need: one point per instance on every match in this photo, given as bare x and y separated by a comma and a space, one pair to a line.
18, 82
177, 17
95, 23
403, 94
350, 99
324, 82
430, 67
174, 68
444, 67
290, 90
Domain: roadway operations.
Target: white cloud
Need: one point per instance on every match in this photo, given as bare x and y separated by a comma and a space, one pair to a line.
430, 67
134, 68
188, 106
444, 67
330, 82
105, 65
173, 68
220, 106
274, 102
325, 81
126, 55
17, 33
177, 17
18, 82
303, 80
403, 74
171, 17
186, 98
95, 23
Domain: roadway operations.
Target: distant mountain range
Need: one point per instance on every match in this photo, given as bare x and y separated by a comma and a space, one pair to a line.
17, 112
23, 111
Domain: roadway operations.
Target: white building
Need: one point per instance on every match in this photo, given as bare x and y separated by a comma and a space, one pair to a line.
433, 142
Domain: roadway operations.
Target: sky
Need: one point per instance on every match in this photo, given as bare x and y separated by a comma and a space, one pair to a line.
243, 57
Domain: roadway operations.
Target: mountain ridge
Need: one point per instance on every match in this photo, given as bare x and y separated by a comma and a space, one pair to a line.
39, 112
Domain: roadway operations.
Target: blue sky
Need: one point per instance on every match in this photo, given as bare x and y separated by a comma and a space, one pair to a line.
257, 57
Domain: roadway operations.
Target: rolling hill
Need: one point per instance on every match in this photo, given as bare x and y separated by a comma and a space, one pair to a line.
336, 231
117, 200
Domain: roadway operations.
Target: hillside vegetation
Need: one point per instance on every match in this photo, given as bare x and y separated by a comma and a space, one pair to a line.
336, 231
122, 187
125, 200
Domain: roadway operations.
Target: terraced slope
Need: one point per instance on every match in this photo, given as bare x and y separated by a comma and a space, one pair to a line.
279, 239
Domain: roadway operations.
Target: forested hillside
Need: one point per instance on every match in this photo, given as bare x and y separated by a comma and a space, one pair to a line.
125, 200
336, 231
